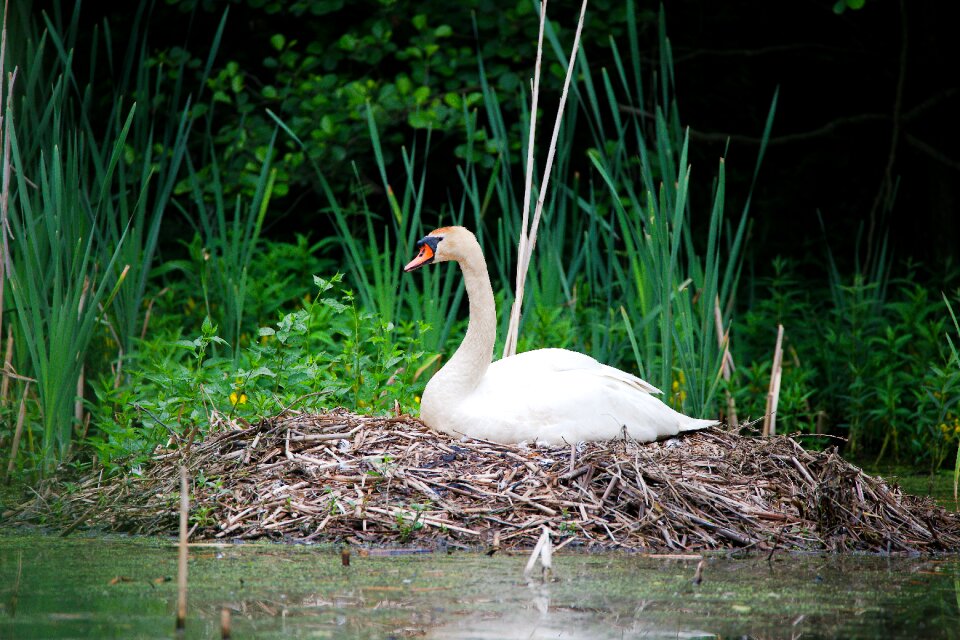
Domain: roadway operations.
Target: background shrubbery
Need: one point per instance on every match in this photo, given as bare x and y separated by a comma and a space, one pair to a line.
214, 186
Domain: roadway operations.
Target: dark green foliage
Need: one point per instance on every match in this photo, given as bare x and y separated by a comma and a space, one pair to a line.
868, 363
318, 65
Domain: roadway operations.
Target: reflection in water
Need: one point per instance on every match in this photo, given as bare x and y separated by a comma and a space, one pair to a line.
538, 620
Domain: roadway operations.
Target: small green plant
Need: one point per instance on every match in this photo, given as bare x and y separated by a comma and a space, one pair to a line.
201, 515
406, 527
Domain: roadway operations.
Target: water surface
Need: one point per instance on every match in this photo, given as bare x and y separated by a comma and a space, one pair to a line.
117, 587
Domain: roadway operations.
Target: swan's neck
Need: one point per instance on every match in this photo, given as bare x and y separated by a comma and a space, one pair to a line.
467, 366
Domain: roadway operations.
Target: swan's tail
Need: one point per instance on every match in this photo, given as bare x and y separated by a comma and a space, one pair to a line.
695, 424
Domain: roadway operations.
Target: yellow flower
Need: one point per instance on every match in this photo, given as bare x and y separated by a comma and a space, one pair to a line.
676, 386
236, 399
416, 399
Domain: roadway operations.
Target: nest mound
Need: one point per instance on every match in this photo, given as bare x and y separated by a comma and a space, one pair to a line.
376, 480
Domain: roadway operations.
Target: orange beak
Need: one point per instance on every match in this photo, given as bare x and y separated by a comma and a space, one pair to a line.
424, 257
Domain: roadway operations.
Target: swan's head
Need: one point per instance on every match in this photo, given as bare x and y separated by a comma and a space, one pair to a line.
440, 245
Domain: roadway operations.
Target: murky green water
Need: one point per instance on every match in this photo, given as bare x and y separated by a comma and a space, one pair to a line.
52, 587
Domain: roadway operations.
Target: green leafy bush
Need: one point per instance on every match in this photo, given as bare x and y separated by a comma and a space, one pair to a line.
329, 353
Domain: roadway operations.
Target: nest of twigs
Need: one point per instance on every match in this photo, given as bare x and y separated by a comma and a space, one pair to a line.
376, 480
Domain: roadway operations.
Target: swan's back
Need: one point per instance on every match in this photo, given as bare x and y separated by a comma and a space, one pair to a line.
555, 396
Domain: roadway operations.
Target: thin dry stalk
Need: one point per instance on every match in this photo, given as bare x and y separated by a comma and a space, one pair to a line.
773, 395
528, 239
18, 431
726, 368
78, 402
510, 344
539, 551
7, 364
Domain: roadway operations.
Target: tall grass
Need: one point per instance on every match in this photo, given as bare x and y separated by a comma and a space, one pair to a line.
57, 282
230, 233
86, 204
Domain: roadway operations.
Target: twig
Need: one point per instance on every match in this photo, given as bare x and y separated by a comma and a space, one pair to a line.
173, 434
698, 575
541, 551
225, 623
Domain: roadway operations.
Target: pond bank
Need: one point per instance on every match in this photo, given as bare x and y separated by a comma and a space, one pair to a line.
381, 480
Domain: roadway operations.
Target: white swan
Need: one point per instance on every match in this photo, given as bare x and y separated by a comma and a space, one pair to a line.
548, 395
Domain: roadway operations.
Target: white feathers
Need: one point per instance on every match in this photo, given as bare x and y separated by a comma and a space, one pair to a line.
547, 395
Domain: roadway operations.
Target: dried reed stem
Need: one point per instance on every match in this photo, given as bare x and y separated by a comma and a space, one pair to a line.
7, 363
726, 368
18, 431
225, 623
510, 344
773, 395
541, 551
529, 238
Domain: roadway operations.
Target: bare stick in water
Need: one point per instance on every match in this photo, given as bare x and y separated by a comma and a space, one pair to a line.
225, 623
182, 551
544, 551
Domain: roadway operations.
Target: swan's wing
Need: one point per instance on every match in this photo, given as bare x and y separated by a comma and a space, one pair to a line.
543, 362
556, 396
